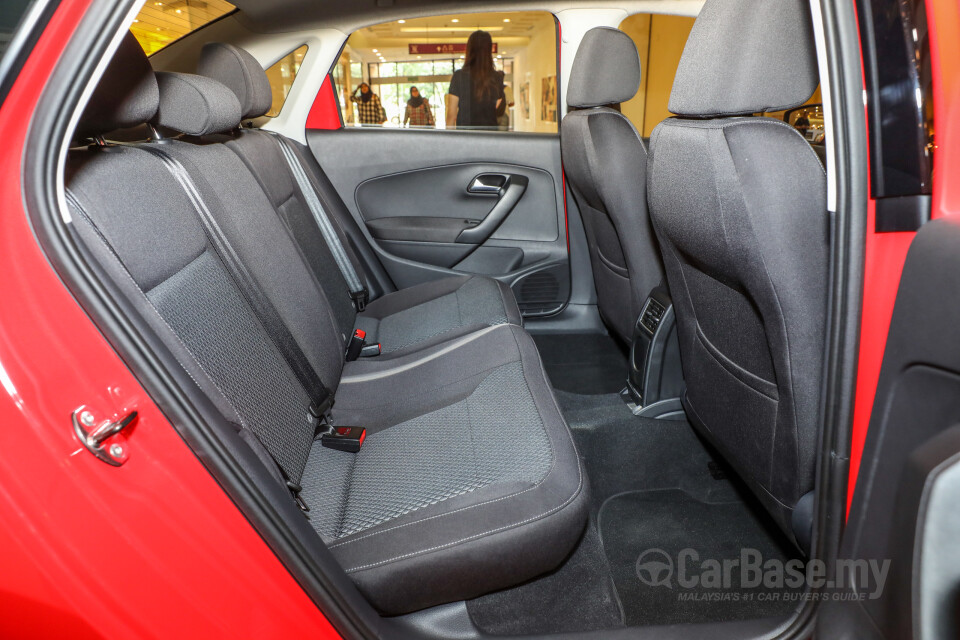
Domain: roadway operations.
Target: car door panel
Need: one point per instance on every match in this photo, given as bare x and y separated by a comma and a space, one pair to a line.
912, 439
435, 203
404, 195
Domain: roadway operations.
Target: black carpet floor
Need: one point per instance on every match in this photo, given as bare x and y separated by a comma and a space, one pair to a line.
584, 363
643, 529
654, 485
579, 596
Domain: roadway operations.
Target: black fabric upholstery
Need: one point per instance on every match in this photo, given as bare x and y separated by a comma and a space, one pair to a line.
739, 205
414, 521
401, 321
126, 96
744, 57
748, 275
605, 161
513, 529
241, 73
195, 105
606, 69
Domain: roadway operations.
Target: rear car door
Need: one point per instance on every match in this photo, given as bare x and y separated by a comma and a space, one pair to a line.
474, 200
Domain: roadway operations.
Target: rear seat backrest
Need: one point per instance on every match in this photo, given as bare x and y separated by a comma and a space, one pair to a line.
159, 253
260, 151
248, 219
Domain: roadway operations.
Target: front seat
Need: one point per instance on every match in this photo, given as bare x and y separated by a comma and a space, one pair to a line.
739, 205
605, 161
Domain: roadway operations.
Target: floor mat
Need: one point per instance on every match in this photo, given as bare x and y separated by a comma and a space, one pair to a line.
643, 532
583, 363
579, 596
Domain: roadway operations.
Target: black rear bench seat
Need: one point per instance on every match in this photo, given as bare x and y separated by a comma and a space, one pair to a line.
468, 480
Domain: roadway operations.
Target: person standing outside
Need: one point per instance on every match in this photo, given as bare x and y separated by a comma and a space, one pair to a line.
418, 111
475, 98
368, 105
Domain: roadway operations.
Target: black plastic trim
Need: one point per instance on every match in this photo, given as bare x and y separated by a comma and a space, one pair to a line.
896, 66
903, 213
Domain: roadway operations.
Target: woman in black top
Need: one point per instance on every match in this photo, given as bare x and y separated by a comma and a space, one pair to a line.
475, 98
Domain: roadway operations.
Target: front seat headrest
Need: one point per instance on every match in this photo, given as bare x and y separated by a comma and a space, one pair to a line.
606, 69
195, 105
241, 73
127, 95
746, 56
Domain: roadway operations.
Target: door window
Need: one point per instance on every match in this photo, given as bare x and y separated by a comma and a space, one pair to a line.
409, 74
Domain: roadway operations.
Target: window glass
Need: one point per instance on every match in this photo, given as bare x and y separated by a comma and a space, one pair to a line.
161, 23
281, 75
393, 58
11, 12
660, 40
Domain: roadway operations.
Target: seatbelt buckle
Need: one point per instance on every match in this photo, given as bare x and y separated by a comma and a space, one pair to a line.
357, 342
348, 439
370, 350
360, 298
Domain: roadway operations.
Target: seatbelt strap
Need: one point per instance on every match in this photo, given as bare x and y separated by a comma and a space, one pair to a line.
321, 400
358, 292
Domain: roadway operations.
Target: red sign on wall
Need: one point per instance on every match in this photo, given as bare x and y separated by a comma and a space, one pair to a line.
440, 47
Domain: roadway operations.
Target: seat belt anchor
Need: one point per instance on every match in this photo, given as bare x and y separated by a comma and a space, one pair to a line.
295, 489
360, 298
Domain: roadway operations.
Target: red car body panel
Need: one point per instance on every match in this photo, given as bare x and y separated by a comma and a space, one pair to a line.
153, 548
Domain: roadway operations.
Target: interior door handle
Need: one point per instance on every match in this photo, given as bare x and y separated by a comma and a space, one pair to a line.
510, 193
488, 184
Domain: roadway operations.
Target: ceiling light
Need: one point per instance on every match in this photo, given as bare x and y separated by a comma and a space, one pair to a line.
418, 57
375, 51
179, 11
499, 57
136, 21
455, 20
427, 31
506, 19
401, 21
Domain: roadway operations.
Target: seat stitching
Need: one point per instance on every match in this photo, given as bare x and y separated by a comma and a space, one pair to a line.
572, 497
475, 536
100, 236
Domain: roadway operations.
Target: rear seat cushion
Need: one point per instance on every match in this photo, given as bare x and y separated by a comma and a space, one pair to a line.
425, 314
468, 478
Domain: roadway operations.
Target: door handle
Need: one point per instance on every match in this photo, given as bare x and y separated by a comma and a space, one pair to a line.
488, 184
510, 192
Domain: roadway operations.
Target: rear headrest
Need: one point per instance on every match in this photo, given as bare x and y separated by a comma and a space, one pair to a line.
746, 56
195, 105
127, 95
239, 71
606, 69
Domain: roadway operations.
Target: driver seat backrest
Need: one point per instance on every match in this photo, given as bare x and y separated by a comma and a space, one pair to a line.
739, 205
605, 160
